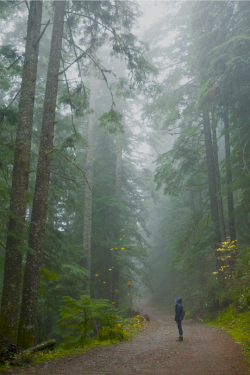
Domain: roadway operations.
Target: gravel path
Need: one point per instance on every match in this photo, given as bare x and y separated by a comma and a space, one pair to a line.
205, 351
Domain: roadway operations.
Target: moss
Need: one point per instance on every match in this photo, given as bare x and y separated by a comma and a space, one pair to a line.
237, 324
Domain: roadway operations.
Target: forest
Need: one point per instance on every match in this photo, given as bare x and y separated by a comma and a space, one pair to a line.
124, 162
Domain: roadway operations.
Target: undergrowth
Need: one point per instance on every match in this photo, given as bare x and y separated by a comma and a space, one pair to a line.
237, 324
127, 328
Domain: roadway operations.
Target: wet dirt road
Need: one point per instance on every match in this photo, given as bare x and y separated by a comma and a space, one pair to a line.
205, 350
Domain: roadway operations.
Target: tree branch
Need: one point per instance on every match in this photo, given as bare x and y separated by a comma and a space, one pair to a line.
72, 117
77, 59
13, 142
104, 77
27, 5
41, 35
54, 149
65, 178
13, 99
16, 5
12, 63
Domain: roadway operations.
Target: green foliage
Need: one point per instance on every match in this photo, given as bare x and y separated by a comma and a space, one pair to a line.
237, 324
79, 317
123, 330
111, 121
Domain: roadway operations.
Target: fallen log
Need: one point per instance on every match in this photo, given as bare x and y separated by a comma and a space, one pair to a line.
44, 345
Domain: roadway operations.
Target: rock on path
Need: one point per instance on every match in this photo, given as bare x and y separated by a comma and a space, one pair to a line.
205, 351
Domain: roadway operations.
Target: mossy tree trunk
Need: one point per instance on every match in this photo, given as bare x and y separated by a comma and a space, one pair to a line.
16, 227
27, 322
230, 198
89, 174
212, 185
192, 204
118, 192
218, 186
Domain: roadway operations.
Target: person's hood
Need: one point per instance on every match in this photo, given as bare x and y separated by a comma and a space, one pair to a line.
178, 299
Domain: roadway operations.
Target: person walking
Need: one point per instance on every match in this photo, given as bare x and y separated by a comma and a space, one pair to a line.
179, 316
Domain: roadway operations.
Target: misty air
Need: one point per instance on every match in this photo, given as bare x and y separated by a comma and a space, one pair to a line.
125, 187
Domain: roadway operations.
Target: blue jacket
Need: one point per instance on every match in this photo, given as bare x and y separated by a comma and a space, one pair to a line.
178, 309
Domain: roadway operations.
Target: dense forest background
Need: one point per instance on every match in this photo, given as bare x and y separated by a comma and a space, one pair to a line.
124, 158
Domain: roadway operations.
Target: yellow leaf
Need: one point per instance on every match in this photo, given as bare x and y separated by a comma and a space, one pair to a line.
120, 239
104, 282
116, 248
122, 230
128, 282
113, 267
110, 269
96, 274
116, 290
123, 235
111, 249
133, 301
122, 248
128, 294
113, 303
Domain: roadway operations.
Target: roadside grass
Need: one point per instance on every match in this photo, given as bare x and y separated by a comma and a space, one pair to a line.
237, 324
129, 329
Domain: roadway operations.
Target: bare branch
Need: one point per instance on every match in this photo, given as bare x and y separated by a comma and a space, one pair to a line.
14, 98
41, 35
77, 59
27, 5
2, 245
12, 63
54, 149
104, 77
13, 142
92, 19
16, 5
65, 178
71, 106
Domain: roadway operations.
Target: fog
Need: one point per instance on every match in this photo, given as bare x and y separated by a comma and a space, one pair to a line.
125, 160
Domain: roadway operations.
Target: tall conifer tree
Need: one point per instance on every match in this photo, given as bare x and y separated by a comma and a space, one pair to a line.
13, 257
89, 176
27, 322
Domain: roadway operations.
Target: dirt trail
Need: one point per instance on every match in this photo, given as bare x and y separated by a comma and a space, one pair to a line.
205, 351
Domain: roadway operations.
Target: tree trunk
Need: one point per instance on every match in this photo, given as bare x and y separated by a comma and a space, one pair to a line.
89, 174
230, 198
218, 185
118, 191
38, 218
118, 185
44, 345
212, 185
13, 258
192, 204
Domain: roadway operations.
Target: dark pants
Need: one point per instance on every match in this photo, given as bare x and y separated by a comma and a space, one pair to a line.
180, 328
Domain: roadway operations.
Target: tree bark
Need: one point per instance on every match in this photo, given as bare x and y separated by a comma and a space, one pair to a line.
16, 227
44, 345
27, 322
230, 198
192, 204
218, 186
212, 185
118, 192
118, 185
89, 174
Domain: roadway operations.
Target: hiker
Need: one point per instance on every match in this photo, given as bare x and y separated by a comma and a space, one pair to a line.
179, 316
